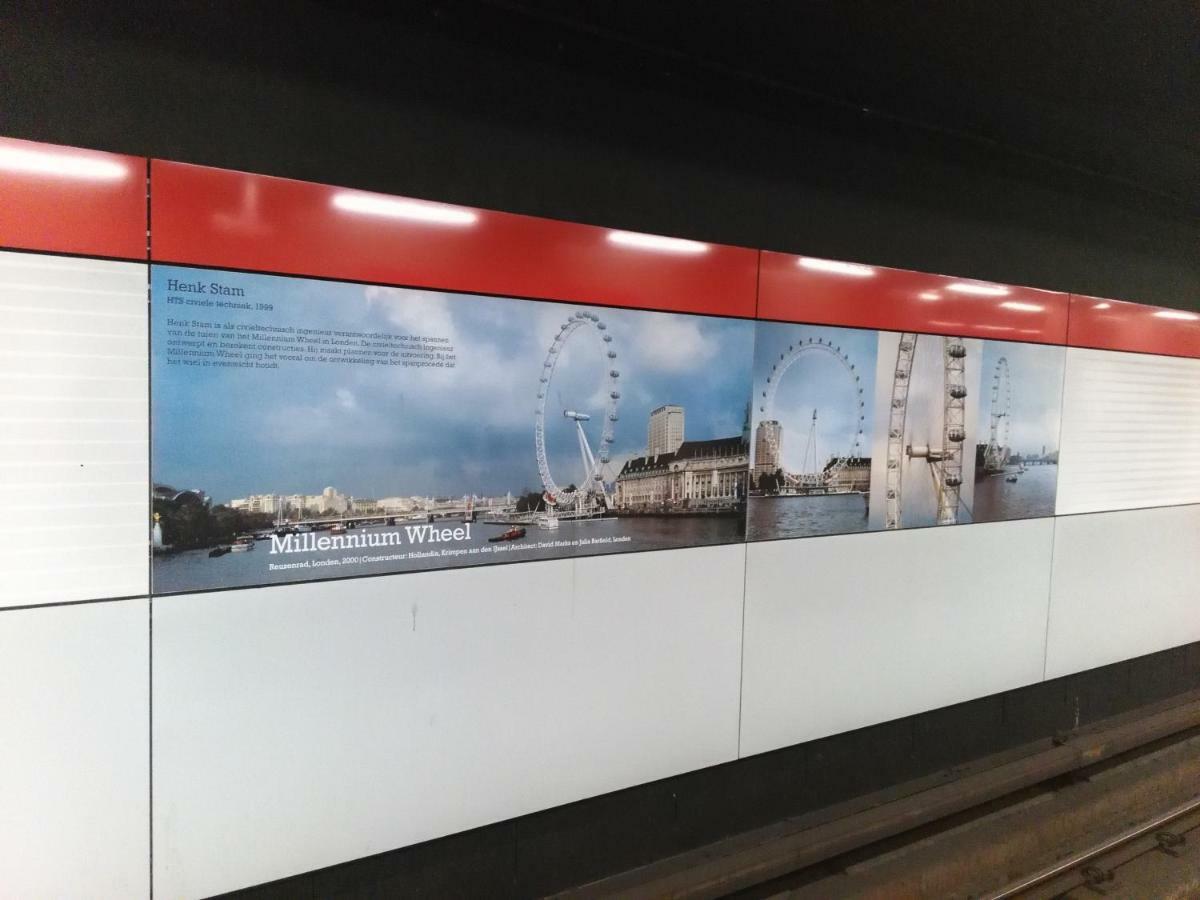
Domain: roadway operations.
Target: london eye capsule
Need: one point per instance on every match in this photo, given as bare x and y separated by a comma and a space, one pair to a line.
957, 434
958, 391
953, 480
957, 350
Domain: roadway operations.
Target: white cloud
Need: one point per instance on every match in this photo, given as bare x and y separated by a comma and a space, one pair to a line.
673, 344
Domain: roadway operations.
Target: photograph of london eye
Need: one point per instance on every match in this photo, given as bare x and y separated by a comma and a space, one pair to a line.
813, 413
1016, 455
320, 429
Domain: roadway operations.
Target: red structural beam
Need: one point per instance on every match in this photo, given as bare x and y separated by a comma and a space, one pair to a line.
214, 217
67, 200
1117, 325
829, 292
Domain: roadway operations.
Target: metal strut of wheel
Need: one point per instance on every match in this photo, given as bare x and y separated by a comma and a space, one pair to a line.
945, 462
897, 413
954, 429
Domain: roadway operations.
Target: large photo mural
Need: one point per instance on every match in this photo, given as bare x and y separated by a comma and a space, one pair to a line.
309, 429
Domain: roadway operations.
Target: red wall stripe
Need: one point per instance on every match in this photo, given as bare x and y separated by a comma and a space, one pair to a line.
67, 200
806, 289
1118, 325
70, 200
214, 217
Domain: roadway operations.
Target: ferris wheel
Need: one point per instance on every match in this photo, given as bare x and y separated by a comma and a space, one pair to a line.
995, 457
945, 462
819, 475
590, 486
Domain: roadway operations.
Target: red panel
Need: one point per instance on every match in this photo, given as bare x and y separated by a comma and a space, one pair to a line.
805, 289
215, 217
1117, 325
65, 200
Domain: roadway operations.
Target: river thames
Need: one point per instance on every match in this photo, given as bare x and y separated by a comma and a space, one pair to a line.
195, 570
1030, 496
806, 516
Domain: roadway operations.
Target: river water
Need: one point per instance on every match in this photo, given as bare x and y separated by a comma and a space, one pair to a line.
194, 570
806, 516
1032, 494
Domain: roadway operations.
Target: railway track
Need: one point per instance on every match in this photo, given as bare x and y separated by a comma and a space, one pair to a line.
1094, 812
1157, 858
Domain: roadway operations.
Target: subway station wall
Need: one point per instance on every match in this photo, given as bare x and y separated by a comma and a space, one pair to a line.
441, 516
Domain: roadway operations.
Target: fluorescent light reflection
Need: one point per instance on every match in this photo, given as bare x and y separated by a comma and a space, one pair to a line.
1022, 307
398, 208
1102, 306
834, 267
655, 242
1177, 314
61, 165
979, 290
929, 295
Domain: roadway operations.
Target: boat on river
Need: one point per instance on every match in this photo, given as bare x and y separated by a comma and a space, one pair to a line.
513, 534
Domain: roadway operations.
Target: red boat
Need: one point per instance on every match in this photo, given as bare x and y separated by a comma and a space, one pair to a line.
513, 534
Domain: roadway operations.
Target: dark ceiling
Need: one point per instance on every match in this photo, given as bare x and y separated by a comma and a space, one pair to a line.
1107, 87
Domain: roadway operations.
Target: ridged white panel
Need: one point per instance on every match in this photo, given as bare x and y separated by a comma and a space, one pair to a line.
844, 632
1125, 584
74, 427
1130, 432
299, 726
75, 751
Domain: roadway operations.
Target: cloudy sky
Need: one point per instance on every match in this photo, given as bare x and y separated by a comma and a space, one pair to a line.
1035, 372
816, 380
389, 431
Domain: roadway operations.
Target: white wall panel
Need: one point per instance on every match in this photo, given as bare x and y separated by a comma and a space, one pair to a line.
74, 751
1130, 431
74, 414
299, 726
844, 632
1125, 584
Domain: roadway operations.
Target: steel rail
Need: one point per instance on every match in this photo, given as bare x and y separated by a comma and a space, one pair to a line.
1061, 868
